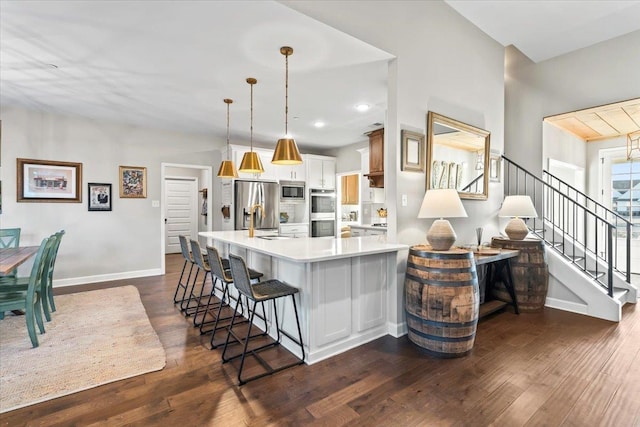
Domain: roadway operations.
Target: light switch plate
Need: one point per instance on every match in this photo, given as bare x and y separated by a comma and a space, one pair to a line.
155, 203
405, 201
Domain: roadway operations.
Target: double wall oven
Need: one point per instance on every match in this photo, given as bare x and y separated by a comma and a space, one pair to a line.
322, 212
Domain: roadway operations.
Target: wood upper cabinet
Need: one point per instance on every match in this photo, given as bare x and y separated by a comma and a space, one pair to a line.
376, 158
350, 189
376, 151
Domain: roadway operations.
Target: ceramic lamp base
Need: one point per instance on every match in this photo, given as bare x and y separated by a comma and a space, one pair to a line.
516, 229
441, 235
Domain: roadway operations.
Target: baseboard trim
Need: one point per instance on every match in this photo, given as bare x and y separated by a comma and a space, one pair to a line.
75, 281
566, 306
397, 330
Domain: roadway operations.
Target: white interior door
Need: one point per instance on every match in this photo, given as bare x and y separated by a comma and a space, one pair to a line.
181, 211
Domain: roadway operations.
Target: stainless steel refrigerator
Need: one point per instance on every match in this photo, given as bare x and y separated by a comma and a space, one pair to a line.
250, 193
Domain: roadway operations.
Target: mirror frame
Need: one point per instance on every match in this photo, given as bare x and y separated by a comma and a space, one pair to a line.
435, 117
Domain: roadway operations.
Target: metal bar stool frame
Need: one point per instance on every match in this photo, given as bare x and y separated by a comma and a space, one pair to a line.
223, 275
188, 260
264, 291
202, 264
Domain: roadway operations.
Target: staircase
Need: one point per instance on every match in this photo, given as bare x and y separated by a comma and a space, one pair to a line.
590, 245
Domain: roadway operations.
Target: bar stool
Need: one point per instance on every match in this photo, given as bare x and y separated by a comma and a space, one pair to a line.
201, 264
223, 276
199, 260
260, 292
188, 260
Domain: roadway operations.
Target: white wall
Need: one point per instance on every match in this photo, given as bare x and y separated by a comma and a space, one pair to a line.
562, 146
444, 64
97, 245
597, 75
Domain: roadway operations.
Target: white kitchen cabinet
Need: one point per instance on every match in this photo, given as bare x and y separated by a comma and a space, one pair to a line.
294, 230
292, 172
269, 174
367, 231
321, 172
356, 232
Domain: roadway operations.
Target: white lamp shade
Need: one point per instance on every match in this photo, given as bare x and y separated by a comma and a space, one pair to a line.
518, 206
442, 203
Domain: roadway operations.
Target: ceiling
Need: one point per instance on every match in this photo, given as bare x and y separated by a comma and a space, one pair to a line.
170, 64
546, 29
602, 122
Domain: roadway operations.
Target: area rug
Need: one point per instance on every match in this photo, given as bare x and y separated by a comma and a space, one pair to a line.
94, 338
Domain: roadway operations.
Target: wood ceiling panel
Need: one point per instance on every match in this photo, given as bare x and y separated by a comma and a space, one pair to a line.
595, 122
619, 120
576, 127
606, 121
461, 140
634, 112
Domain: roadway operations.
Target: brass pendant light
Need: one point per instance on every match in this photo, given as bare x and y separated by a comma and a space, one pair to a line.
227, 168
286, 152
251, 161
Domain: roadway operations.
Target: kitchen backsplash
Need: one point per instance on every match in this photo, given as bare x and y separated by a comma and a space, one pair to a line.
295, 211
370, 213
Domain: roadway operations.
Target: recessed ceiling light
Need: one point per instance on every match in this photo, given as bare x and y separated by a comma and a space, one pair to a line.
362, 107
319, 124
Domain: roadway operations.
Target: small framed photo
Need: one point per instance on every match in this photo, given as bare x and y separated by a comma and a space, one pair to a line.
413, 151
48, 181
494, 167
99, 196
133, 182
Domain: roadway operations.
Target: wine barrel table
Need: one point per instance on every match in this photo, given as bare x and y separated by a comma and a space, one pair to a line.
441, 300
530, 273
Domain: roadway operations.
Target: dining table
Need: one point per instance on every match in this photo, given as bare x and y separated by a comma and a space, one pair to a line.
10, 258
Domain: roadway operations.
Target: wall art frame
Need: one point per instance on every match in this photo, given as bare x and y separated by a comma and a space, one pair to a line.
413, 151
133, 182
495, 164
48, 181
99, 197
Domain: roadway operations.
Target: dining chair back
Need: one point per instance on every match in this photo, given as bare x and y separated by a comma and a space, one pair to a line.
29, 299
10, 238
48, 305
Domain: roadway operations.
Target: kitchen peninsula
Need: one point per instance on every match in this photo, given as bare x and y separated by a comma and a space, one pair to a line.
347, 286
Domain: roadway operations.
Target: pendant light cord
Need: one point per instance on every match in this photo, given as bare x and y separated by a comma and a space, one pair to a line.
251, 137
286, 96
228, 132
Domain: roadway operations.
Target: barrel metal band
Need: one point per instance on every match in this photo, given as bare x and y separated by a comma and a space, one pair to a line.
469, 269
443, 339
456, 284
438, 323
432, 255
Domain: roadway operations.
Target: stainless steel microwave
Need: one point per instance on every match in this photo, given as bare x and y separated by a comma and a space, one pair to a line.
292, 191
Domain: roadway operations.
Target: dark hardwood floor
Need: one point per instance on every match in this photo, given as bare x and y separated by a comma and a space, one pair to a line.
548, 369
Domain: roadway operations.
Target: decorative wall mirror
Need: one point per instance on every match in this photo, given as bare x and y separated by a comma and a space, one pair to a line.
457, 157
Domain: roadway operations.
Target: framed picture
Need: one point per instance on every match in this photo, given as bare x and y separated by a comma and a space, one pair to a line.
49, 181
99, 196
133, 182
413, 151
494, 167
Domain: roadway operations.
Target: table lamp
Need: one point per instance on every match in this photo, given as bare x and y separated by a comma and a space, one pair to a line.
517, 207
441, 203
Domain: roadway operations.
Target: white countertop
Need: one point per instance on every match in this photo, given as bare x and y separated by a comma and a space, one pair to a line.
307, 249
370, 227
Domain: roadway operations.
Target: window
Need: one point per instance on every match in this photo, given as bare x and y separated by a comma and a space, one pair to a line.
625, 191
